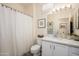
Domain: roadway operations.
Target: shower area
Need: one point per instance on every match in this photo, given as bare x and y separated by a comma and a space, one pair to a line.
15, 32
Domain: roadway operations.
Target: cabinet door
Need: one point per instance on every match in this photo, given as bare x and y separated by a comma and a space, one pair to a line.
60, 50
73, 51
46, 48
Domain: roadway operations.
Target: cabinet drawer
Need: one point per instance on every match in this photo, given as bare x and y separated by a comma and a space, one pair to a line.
74, 50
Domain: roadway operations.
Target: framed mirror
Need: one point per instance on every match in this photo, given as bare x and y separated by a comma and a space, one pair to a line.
49, 24
50, 27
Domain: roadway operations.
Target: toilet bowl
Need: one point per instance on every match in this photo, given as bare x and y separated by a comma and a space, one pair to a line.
35, 49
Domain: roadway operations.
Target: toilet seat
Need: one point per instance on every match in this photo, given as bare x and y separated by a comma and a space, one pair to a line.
35, 47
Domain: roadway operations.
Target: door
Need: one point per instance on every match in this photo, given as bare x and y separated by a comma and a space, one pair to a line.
60, 50
47, 48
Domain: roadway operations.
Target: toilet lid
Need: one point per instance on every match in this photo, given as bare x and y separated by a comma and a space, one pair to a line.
35, 47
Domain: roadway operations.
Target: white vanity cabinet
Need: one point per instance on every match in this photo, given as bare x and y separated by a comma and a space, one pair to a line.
52, 46
47, 48
53, 49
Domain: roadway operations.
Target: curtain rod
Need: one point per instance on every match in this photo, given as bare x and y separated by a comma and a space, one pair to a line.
14, 9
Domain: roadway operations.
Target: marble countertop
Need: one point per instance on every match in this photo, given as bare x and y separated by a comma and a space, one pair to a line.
70, 42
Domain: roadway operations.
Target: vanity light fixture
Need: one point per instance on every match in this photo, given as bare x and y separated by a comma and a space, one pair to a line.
63, 7
53, 10
68, 5
50, 12
58, 9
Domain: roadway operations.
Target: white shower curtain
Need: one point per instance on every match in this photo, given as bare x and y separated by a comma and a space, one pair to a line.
13, 26
15, 32
5, 34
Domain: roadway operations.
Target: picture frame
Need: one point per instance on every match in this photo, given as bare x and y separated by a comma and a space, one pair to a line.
42, 23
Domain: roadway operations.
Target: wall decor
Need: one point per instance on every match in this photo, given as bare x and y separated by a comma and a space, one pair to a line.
50, 27
42, 23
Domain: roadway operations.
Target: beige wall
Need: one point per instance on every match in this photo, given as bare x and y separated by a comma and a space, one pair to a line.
28, 9
40, 15
37, 14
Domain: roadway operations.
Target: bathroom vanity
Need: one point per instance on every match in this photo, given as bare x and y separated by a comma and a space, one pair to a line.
62, 25
53, 46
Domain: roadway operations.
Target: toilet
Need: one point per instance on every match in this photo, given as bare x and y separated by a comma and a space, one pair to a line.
35, 49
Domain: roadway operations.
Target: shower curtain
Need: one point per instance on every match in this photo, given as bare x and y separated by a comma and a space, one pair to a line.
15, 32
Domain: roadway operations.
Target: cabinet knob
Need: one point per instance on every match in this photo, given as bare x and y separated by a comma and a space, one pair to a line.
54, 47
